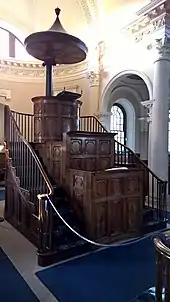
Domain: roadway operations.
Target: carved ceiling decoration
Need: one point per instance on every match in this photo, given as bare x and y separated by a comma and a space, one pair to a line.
90, 9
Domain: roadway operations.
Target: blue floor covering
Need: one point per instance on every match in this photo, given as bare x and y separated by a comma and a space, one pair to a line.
116, 274
13, 288
2, 195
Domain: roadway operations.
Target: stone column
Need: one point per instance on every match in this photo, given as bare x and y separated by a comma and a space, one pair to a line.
161, 93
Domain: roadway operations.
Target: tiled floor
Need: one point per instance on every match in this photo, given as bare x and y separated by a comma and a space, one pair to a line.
23, 255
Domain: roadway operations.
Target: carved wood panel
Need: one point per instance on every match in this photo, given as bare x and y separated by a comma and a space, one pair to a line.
78, 188
89, 151
53, 117
109, 202
51, 155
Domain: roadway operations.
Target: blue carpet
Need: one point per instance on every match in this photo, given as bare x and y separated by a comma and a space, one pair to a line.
116, 274
2, 195
12, 285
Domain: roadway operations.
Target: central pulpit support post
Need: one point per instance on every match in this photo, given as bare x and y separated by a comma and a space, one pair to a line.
49, 82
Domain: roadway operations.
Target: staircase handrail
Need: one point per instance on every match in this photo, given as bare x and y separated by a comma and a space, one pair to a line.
97, 120
22, 113
105, 130
140, 161
160, 245
40, 167
124, 146
14, 178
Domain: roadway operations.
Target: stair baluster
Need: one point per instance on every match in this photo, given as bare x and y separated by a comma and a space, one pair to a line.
154, 188
24, 173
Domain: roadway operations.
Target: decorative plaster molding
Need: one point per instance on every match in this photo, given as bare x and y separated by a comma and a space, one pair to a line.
28, 71
148, 105
93, 78
153, 4
101, 47
163, 46
89, 9
149, 22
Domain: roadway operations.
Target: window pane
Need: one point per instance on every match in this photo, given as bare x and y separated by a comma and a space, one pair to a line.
4, 43
117, 123
20, 52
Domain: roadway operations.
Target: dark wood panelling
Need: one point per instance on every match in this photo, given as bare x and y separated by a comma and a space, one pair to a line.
19, 211
109, 202
53, 117
50, 154
89, 151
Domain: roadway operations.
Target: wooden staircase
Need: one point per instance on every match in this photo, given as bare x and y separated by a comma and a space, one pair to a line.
27, 176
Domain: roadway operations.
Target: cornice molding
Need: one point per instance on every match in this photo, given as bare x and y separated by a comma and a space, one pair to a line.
151, 18
153, 4
24, 71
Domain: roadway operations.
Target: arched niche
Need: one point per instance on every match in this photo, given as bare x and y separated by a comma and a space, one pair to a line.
130, 90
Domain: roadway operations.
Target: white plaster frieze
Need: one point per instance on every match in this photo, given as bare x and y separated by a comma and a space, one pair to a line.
27, 71
148, 22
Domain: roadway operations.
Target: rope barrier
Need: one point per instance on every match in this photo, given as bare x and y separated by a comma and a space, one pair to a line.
125, 243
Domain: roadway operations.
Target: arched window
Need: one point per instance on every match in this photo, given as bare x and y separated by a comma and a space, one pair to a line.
11, 46
118, 123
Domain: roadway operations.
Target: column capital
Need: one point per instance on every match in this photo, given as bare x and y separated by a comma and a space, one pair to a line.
163, 47
148, 105
93, 78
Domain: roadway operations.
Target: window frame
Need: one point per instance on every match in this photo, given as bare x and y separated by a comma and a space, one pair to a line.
123, 111
12, 38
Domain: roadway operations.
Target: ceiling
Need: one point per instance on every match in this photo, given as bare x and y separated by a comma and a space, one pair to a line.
77, 16
113, 5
